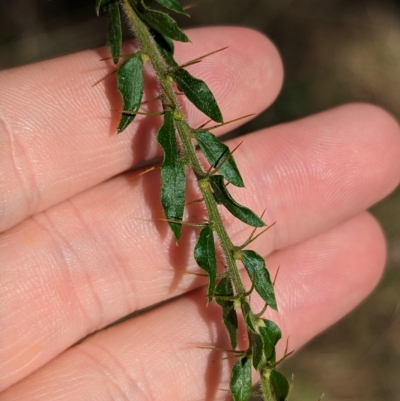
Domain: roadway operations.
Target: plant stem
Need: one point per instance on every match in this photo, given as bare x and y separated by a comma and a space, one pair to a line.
266, 387
149, 47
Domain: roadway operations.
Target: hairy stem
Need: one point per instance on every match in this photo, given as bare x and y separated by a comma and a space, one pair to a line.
148, 47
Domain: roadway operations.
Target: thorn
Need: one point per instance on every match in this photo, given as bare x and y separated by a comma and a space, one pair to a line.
184, 223
203, 125
224, 160
320, 398
119, 56
253, 284
291, 385
191, 5
251, 238
154, 99
186, 272
276, 276
197, 59
194, 201
255, 228
227, 357
142, 113
287, 346
283, 358
263, 231
230, 121
258, 315
234, 351
145, 172
104, 78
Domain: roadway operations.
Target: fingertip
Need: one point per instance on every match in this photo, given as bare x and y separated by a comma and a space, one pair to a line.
250, 68
329, 275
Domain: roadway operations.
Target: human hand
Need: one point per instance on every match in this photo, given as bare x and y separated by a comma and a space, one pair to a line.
81, 245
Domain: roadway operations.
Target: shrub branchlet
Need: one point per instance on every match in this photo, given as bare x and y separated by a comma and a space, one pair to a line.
155, 32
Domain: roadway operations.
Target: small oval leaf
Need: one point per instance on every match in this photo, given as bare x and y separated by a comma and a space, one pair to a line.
255, 266
280, 385
164, 43
173, 178
114, 37
172, 5
223, 197
198, 93
229, 317
164, 24
257, 350
130, 84
241, 383
216, 153
270, 335
250, 322
204, 253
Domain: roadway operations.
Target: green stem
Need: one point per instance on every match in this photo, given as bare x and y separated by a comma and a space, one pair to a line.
149, 47
266, 386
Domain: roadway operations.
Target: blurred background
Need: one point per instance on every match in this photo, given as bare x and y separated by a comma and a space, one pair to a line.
334, 51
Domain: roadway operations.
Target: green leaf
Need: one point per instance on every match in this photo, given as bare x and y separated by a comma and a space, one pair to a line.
98, 5
229, 317
280, 385
204, 253
250, 323
198, 93
173, 178
114, 37
164, 24
217, 152
240, 383
164, 43
257, 350
168, 57
172, 5
130, 84
222, 196
270, 335
255, 266
166, 48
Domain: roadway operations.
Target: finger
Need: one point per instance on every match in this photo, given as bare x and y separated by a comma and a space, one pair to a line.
88, 262
156, 356
64, 141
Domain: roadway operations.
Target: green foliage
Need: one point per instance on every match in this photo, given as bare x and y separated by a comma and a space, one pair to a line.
114, 38
280, 385
224, 297
172, 5
219, 156
163, 24
270, 334
223, 197
205, 256
255, 266
173, 178
241, 382
198, 93
166, 47
155, 32
130, 84
257, 350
